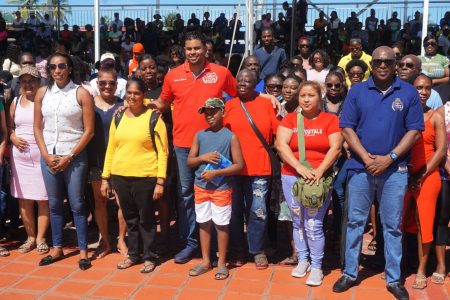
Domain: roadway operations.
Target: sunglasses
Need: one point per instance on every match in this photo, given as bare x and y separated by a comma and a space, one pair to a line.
106, 82
337, 85
387, 62
274, 86
61, 66
304, 46
408, 65
427, 44
355, 74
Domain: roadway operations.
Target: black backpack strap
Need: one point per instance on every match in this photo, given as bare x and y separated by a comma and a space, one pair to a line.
154, 117
16, 102
118, 117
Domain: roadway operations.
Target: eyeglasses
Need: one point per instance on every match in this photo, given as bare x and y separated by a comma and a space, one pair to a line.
355, 74
103, 83
61, 66
304, 46
387, 62
274, 86
337, 85
317, 60
427, 44
408, 65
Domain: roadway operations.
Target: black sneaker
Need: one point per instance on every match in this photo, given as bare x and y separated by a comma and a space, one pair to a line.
398, 290
343, 284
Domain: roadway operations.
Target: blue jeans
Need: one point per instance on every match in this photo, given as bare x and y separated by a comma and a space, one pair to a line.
249, 198
305, 220
339, 186
72, 180
187, 225
390, 188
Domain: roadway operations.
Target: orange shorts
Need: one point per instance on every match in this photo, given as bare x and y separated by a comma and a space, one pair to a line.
213, 205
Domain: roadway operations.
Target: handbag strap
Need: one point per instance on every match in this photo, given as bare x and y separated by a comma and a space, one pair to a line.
255, 129
301, 138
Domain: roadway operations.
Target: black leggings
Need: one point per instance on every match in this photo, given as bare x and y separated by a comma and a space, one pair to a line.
442, 215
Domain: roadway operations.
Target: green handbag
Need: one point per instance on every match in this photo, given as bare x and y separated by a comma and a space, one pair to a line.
310, 195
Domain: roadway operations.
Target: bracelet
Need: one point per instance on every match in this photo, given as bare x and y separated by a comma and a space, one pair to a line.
161, 184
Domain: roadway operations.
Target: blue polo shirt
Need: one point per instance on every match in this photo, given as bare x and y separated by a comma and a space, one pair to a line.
381, 121
270, 62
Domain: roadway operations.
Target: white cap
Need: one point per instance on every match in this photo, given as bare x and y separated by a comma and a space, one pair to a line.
106, 56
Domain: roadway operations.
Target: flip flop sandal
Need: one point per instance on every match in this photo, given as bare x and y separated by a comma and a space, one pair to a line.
198, 270
222, 273
290, 261
27, 246
125, 264
437, 278
4, 252
42, 248
261, 262
148, 267
420, 282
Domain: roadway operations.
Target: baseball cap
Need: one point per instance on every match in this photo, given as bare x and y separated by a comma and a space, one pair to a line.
107, 55
138, 48
29, 70
212, 103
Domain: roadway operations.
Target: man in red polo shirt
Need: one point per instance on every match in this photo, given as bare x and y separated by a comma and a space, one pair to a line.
188, 86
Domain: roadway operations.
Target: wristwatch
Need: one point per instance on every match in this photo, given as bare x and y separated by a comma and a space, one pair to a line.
393, 156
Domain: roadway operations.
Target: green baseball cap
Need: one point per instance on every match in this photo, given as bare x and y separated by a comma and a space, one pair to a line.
212, 103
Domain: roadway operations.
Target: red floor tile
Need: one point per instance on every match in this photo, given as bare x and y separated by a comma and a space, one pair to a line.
190, 294
74, 288
284, 276
244, 286
58, 297
253, 274
52, 271
91, 274
148, 293
114, 291
167, 280
289, 290
122, 276
363, 293
7, 295
325, 292
171, 267
35, 284
18, 268
6, 280
206, 282
240, 296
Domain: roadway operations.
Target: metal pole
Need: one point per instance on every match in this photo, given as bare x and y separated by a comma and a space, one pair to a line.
426, 4
97, 30
293, 27
158, 6
58, 17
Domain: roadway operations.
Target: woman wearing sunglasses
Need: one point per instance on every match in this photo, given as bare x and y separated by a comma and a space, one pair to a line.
434, 64
273, 84
105, 105
63, 126
356, 69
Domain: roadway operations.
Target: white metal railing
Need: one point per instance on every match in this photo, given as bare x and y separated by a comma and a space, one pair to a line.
84, 14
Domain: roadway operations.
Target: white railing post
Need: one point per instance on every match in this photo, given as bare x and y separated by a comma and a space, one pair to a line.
97, 29
426, 4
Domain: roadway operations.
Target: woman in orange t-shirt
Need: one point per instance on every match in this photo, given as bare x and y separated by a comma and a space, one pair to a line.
323, 142
251, 187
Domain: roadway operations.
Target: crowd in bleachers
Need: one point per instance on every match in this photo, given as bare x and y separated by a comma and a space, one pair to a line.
351, 131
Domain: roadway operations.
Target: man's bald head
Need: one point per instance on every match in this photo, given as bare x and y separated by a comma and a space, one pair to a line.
383, 52
409, 67
252, 63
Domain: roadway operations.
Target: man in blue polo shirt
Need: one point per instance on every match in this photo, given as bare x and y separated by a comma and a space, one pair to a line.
270, 56
381, 120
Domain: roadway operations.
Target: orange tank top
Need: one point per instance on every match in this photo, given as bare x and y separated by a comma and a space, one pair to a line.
423, 149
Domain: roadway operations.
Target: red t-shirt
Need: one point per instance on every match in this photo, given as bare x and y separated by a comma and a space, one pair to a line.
256, 158
188, 94
316, 138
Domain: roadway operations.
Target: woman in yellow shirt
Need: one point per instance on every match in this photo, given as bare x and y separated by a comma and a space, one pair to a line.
136, 171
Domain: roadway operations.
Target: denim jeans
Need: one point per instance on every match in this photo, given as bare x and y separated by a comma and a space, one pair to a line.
249, 199
72, 180
339, 186
309, 221
390, 189
187, 225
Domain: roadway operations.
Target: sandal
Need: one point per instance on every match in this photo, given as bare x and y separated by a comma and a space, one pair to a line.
125, 264
420, 282
222, 273
238, 260
372, 245
290, 261
42, 248
437, 278
148, 267
261, 262
4, 252
27, 246
198, 270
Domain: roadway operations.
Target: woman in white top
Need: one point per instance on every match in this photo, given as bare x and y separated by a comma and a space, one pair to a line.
63, 126
320, 66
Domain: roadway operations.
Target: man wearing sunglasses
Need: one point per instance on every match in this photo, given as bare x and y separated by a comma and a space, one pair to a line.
356, 52
382, 119
408, 68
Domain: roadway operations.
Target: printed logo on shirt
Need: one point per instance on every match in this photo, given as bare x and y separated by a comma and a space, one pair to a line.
313, 132
210, 78
179, 79
397, 104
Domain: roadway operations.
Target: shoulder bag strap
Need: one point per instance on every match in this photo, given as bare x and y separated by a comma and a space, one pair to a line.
275, 165
301, 139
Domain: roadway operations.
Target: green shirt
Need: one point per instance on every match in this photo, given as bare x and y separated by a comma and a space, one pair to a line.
434, 66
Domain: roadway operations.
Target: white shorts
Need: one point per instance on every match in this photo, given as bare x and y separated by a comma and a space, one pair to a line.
213, 205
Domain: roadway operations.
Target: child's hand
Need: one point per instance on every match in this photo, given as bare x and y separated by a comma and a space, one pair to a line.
211, 157
208, 175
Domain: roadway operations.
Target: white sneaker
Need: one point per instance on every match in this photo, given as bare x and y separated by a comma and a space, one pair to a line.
301, 269
315, 277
